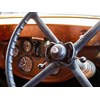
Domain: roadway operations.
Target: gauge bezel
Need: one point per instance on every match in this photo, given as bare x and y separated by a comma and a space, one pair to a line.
21, 70
22, 44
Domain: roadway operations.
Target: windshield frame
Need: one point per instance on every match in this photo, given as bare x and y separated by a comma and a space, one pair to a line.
47, 15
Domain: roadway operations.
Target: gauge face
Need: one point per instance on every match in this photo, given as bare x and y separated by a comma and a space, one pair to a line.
16, 51
27, 46
25, 63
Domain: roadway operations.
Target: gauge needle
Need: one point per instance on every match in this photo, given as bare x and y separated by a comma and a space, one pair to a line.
23, 65
24, 60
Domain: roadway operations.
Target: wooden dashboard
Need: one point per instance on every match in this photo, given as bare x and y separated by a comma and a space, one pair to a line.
33, 34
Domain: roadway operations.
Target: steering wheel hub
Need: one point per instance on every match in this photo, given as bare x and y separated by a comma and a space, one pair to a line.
58, 52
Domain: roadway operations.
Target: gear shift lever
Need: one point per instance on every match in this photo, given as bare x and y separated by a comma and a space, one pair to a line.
88, 68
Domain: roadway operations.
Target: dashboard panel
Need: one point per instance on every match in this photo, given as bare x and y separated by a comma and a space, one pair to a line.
30, 49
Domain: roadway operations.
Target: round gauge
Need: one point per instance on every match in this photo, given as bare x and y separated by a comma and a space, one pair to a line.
25, 63
16, 51
27, 46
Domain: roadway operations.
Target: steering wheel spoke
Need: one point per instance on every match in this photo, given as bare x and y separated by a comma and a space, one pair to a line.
43, 74
48, 33
79, 44
79, 75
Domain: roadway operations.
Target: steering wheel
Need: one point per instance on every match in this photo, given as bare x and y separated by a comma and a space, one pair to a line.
56, 54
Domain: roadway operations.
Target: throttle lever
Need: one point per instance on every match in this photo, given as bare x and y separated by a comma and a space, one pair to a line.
41, 66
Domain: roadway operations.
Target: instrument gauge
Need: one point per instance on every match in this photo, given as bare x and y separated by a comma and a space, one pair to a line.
25, 63
27, 46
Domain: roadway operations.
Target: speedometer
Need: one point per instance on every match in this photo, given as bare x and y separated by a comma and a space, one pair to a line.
25, 63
